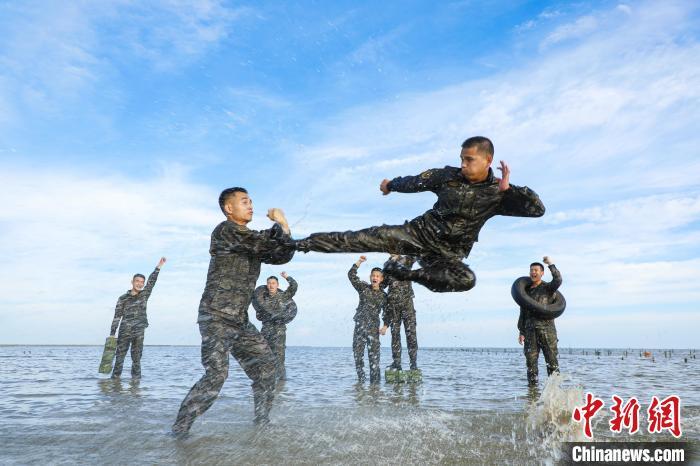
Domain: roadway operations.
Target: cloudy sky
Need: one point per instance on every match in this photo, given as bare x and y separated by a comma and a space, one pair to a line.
121, 122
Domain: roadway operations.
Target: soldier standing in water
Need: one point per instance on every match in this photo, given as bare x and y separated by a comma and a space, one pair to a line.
366, 334
275, 309
536, 333
400, 310
131, 312
236, 254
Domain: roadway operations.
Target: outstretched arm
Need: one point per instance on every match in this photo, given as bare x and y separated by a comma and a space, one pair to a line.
273, 246
556, 275
352, 274
153, 277
292, 289
426, 181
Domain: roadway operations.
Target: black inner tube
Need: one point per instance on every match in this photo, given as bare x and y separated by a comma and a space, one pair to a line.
542, 311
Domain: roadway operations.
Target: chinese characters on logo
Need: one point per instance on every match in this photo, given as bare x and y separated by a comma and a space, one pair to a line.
661, 415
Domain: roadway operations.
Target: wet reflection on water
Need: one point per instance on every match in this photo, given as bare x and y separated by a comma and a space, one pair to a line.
472, 405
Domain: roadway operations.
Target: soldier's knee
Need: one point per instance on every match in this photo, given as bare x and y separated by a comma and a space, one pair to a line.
217, 381
467, 280
460, 278
216, 377
269, 381
267, 370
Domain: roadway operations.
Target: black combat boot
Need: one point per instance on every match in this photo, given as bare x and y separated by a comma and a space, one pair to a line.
396, 270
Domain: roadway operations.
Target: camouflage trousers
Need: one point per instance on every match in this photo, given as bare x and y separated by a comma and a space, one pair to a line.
442, 269
536, 339
129, 338
405, 313
276, 337
251, 351
366, 335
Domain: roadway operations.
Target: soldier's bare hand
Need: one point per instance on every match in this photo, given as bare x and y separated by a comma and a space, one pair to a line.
382, 330
521, 339
277, 215
547, 260
504, 182
161, 262
284, 275
384, 186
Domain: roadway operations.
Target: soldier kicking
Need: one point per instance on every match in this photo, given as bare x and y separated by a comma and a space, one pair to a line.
131, 311
400, 309
367, 330
537, 333
236, 254
444, 235
275, 309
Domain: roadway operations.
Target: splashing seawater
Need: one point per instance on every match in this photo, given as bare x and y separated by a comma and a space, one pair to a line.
549, 418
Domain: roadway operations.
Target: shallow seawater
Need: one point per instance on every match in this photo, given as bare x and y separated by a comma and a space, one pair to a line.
473, 407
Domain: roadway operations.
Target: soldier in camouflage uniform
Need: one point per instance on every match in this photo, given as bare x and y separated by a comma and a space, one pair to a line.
443, 236
400, 309
537, 333
367, 330
275, 309
131, 311
236, 254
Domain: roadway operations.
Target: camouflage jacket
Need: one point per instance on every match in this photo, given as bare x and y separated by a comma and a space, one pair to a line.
131, 308
278, 309
372, 302
236, 254
452, 225
543, 293
399, 293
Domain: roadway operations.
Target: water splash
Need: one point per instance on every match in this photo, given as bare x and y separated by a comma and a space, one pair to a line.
549, 420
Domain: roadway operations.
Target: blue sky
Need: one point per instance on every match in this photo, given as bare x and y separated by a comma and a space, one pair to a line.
121, 122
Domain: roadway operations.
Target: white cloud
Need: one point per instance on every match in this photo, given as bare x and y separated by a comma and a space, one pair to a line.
601, 126
170, 33
588, 116
597, 129
579, 28
624, 8
72, 240
55, 53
